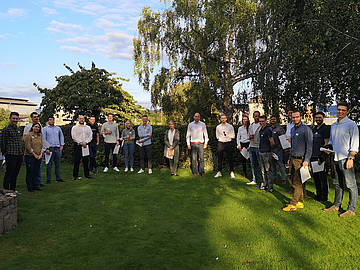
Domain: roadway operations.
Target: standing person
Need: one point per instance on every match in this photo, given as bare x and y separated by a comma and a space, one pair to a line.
225, 133
93, 145
321, 135
243, 141
11, 148
82, 136
128, 135
254, 149
145, 133
344, 139
289, 126
33, 155
171, 149
197, 140
55, 138
110, 132
266, 141
277, 150
300, 154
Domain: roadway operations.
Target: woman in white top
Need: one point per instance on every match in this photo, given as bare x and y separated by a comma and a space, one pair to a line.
171, 150
243, 140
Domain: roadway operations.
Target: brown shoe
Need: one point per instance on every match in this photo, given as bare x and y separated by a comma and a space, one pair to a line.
347, 214
331, 209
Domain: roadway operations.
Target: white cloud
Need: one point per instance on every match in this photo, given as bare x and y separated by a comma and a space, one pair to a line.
49, 11
25, 91
13, 13
75, 49
104, 23
65, 28
8, 64
2, 37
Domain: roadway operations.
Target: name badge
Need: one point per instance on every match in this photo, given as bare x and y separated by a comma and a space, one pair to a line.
297, 134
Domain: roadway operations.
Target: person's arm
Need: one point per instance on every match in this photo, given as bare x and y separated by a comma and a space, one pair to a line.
62, 140
147, 135
309, 145
232, 132
73, 135
102, 131
88, 135
132, 135
188, 136
238, 137
166, 139
176, 138
27, 143
217, 132
354, 146
97, 138
206, 137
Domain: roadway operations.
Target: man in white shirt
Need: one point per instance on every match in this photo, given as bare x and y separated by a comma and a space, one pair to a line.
82, 136
225, 133
197, 140
110, 132
254, 153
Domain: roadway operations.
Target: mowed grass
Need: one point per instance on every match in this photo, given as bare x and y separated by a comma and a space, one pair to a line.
130, 221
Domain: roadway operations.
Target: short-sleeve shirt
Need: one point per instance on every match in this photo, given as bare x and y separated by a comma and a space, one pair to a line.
95, 132
319, 135
265, 134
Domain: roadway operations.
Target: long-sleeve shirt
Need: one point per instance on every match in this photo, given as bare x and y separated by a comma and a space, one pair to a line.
114, 136
33, 143
242, 136
344, 137
143, 132
81, 133
53, 135
289, 126
276, 132
197, 132
254, 129
131, 134
225, 133
301, 142
11, 141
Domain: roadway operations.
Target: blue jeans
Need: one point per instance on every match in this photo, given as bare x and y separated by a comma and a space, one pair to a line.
32, 169
280, 162
255, 164
197, 153
55, 157
345, 177
266, 169
38, 176
129, 151
92, 151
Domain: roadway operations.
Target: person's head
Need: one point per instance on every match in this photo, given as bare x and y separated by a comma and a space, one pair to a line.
245, 120
110, 117
171, 124
14, 118
128, 124
223, 118
81, 119
342, 109
256, 116
319, 118
34, 117
36, 128
92, 120
262, 120
296, 117
51, 120
290, 111
273, 120
197, 117
144, 119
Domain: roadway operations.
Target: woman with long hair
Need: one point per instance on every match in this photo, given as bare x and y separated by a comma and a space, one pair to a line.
128, 135
243, 141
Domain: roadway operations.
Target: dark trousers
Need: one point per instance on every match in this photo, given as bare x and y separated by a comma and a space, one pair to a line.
13, 164
266, 169
321, 184
110, 147
298, 196
77, 159
228, 148
145, 150
197, 158
244, 160
55, 157
93, 150
32, 169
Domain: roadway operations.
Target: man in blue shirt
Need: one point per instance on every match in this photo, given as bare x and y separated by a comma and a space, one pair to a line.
300, 154
55, 137
344, 140
145, 134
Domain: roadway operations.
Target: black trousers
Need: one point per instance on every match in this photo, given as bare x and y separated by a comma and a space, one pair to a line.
110, 147
321, 184
77, 159
13, 164
226, 147
244, 160
145, 150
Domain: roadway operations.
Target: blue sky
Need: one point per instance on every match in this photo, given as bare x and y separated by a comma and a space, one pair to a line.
38, 36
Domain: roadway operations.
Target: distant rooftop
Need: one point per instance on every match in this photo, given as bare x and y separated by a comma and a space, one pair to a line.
16, 101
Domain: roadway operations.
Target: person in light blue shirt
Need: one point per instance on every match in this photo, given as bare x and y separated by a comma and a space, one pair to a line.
145, 133
344, 139
55, 138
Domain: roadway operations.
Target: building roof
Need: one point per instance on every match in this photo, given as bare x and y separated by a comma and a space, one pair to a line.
16, 101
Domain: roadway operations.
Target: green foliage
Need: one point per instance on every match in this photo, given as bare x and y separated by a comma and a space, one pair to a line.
4, 118
89, 92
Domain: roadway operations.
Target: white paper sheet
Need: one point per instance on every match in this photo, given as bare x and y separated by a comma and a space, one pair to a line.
326, 150
245, 153
305, 174
116, 149
316, 167
275, 156
139, 143
47, 158
285, 144
85, 151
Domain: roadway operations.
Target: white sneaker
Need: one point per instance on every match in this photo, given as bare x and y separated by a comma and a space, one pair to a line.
251, 183
131, 169
150, 171
141, 171
126, 169
218, 175
116, 169
232, 175
106, 169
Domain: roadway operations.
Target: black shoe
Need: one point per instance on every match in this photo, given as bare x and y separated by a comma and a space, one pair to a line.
88, 177
42, 185
270, 190
60, 180
74, 178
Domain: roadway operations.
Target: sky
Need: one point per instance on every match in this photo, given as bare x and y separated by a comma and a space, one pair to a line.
38, 36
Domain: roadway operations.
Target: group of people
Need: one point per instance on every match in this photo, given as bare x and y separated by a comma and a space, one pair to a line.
266, 145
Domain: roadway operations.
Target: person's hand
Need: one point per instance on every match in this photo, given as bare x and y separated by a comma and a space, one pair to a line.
127, 137
149, 135
288, 162
40, 156
171, 147
205, 146
35, 155
319, 161
189, 147
83, 144
97, 143
61, 148
248, 149
349, 163
240, 148
140, 141
48, 151
289, 139
305, 164
117, 143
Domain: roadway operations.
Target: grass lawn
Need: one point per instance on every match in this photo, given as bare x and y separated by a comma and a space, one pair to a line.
130, 221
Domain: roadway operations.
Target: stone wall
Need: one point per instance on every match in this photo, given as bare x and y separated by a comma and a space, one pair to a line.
8, 211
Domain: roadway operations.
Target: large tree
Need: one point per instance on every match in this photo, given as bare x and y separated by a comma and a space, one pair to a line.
89, 92
210, 43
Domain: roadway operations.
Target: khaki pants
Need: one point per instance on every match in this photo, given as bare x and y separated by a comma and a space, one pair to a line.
298, 196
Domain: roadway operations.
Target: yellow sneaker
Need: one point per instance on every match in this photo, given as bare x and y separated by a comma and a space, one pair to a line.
300, 205
289, 208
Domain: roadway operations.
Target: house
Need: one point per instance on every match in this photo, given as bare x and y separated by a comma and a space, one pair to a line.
22, 106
